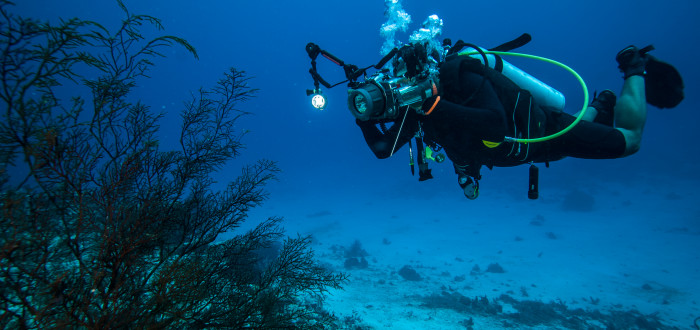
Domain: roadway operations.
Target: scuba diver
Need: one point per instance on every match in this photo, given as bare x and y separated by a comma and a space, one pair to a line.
479, 116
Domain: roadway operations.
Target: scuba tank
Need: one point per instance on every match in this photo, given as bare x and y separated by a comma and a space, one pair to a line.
544, 94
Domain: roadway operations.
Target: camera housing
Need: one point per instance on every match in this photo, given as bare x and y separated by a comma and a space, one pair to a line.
373, 99
381, 96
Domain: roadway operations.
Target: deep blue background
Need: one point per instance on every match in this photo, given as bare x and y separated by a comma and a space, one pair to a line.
323, 153
645, 219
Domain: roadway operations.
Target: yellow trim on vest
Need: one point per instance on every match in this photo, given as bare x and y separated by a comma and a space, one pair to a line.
490, 144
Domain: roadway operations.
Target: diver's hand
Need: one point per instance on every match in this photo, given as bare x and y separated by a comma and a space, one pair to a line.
428, 105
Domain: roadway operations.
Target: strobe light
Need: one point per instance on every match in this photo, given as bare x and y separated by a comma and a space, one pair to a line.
318, 101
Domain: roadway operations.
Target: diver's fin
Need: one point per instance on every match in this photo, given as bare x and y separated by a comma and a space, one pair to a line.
513, 44
664, 85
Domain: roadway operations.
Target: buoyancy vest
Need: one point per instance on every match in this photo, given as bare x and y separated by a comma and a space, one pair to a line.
525, 118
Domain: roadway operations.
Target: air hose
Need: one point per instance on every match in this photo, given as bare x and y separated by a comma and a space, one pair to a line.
559, 64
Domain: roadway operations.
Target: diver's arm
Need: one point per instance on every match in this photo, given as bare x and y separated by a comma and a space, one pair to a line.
382, 144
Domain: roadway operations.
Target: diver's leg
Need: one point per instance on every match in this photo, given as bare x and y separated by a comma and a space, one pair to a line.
631, 113
631, 107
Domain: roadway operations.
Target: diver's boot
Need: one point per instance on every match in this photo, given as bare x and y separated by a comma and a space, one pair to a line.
632, 61
605, 104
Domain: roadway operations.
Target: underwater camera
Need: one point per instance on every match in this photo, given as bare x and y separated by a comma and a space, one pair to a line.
381, 96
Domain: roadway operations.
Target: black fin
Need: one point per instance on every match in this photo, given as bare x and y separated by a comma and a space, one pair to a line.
518, 42
664, 85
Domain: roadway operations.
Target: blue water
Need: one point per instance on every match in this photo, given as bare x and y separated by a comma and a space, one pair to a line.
327, 167
267, 40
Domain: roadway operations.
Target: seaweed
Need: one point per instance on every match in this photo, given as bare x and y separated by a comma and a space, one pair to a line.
495, 268
356, 263
102, 227
533, 313
409, 274
355, 250
461, 303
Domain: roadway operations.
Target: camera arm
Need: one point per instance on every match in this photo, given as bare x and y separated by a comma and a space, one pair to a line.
352, 72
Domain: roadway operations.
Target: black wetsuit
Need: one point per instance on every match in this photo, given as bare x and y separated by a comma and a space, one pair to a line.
472, 113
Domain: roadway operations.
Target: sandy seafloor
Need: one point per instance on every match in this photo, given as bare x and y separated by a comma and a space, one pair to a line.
602, 246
